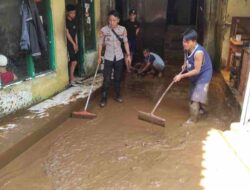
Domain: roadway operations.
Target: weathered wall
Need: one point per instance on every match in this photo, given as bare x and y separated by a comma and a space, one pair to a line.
215, 12
90, 56
9, 27
105, 7
210, 15
239, 8
184, 8
26, 93
220, 29
218, 16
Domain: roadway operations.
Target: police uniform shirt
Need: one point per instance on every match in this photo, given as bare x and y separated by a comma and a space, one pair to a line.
108, 39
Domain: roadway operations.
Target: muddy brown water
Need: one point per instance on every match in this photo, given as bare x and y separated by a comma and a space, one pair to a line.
116, 151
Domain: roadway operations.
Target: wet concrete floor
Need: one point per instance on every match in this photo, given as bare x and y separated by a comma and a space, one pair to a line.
116, 151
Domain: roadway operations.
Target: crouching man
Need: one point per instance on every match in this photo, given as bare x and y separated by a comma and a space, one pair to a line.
199, 69
153, 64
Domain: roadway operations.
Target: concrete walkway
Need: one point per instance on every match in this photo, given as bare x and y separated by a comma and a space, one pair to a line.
21, 130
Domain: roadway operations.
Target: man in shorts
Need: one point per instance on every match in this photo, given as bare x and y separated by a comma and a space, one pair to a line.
72, 40
153, 64
199, 69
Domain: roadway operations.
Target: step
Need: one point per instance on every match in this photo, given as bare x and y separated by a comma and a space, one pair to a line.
21, 130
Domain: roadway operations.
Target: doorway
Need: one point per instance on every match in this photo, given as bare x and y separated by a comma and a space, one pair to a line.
181, 15
182, 12
185, 14
151, 15
163, 22
119, 7
79, 71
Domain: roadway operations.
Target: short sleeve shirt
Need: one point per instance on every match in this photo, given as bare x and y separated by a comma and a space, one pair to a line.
72, 28
150, 59
155, 59
111, 42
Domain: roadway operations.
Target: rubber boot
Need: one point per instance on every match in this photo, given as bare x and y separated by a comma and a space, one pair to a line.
203, 110
194, 109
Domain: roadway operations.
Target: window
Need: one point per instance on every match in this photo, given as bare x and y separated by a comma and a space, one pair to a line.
43, 64
10, 29
89, 24
20, 62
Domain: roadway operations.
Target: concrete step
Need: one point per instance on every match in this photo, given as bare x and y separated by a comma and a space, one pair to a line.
21, 130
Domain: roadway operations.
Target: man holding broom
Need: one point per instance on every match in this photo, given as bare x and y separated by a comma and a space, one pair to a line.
199, 70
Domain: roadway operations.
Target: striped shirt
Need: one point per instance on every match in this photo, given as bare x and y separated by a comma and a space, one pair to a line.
112, 44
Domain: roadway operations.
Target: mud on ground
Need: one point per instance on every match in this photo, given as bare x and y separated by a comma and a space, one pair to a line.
116, 151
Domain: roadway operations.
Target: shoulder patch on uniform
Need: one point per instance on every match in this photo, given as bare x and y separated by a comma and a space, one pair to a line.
104, 29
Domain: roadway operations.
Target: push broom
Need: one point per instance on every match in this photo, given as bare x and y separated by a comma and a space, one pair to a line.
151, 117
85, 114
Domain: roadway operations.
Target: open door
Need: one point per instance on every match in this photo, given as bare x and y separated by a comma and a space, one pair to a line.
182, 12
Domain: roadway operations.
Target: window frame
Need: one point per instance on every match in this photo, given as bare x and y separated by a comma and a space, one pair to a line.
93, 26
51, 47
31, 73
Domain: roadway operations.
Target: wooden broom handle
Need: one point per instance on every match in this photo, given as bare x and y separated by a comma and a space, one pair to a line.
164, 94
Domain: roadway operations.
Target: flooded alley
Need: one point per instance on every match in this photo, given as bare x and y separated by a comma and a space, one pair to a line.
140, 47
118, 151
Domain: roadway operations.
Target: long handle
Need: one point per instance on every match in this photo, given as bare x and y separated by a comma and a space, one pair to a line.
92, 86
164, 94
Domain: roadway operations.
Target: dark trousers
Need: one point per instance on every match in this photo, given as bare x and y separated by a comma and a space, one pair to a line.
109, 66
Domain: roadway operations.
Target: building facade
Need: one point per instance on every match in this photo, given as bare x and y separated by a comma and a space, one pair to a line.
39, 79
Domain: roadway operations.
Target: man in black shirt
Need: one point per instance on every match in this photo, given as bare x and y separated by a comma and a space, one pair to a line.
72, 40
133, 29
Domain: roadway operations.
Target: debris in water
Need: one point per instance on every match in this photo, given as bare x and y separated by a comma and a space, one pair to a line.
65, 97
8, 127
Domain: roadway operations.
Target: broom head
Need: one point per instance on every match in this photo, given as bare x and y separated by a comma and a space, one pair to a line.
83, 115
151, 118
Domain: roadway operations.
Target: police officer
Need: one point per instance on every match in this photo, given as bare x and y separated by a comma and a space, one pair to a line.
112, 36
